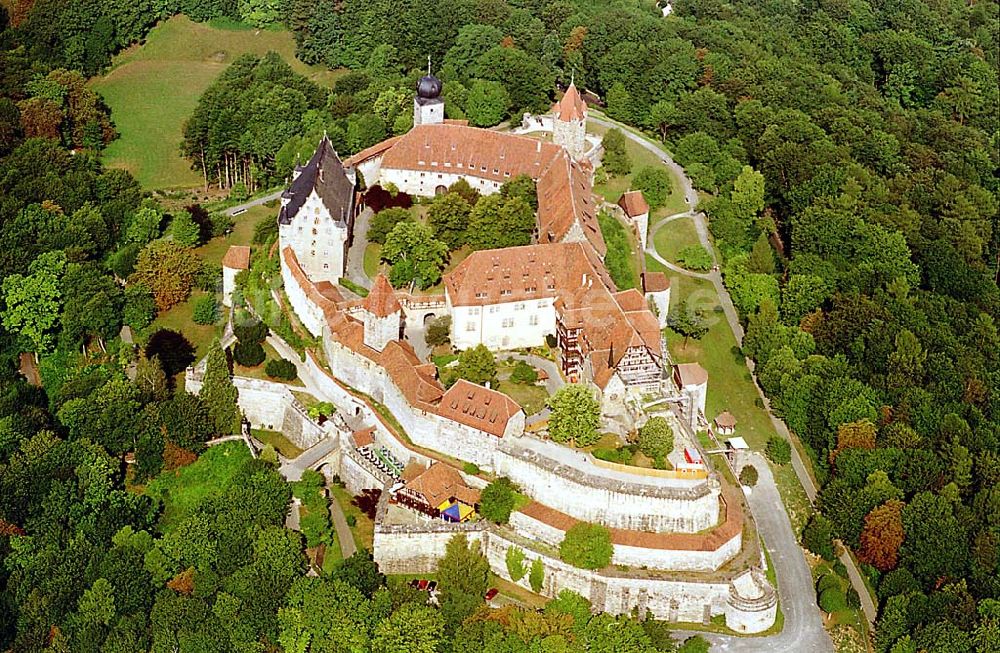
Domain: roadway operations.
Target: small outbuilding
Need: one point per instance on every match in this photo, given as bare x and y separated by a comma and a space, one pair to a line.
636, 209
692, 381
235, 260
656, 288
725, 423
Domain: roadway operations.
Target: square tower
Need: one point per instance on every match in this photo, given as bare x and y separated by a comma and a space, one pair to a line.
569, 126
428, 107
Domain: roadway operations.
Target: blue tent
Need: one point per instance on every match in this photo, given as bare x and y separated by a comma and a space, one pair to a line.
452, 513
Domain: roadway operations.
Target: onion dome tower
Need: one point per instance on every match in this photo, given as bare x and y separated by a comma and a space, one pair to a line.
428, 107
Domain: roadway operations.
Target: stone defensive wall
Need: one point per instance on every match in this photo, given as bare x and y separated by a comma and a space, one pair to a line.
268, 405
612, 498
745, 598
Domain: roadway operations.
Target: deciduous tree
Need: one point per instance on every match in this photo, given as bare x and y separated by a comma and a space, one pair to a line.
575, 415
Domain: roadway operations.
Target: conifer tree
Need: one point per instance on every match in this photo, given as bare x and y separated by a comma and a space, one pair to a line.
218, 391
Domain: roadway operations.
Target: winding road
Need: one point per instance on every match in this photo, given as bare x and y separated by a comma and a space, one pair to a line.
803, 629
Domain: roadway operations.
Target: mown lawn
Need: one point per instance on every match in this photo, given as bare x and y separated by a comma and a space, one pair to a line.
674, 236
531, 398
182, 489
180, 318
373, 259
277, 440
152, 89
241, 234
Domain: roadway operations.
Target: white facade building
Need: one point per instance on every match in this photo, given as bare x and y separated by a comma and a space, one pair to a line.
317, 214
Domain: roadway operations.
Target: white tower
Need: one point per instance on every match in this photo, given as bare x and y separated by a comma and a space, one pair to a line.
569, 126
382, 313
428, 107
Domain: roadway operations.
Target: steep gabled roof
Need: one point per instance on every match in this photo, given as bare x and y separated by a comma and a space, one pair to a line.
327, 176
571, 106
381, 301
633, 203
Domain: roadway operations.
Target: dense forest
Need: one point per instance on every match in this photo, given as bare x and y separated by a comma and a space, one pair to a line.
850, 152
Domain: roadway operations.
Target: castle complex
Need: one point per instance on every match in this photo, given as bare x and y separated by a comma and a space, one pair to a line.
662, 522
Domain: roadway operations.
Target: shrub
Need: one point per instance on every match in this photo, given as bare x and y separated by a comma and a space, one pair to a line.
497, 500
695, 257
140, 307
748, 476
587, 546
206, 310
523, 373
817, 536
619, 255
281, 369
515, 563
832, 600
695, 644
778, 450
251, 332
656, 438
360, 291
209, 278
352, 520
622, 455
853, 599
220, 223
537, 575
472, 469
827, 581
438, 331
248, 354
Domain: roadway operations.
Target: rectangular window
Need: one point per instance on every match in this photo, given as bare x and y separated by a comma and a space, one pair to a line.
533, 320
519, 306
508, 322
470, 326
474, 311
505, 292
493, 309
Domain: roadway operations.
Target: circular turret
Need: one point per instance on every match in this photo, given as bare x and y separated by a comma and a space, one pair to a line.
429, 87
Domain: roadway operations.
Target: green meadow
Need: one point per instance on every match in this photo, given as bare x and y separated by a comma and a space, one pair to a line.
154, 87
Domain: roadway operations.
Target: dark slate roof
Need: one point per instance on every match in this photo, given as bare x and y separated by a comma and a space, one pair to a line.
325, 173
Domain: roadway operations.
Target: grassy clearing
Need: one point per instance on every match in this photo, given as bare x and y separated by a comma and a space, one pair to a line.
153, 88
364, 528
531, 398
373, 259
614, 187
241, 234
277, 440
183, 489
673, 237
180, 318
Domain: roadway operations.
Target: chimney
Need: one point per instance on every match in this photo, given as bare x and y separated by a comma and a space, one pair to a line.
538, 146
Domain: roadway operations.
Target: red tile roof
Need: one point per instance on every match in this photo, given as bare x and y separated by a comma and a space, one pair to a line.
633, 203
655, 282
571, 106
237, 258
363, 437
441, 482
611, 322
564, 188
691, 374
478, 407
381, 301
